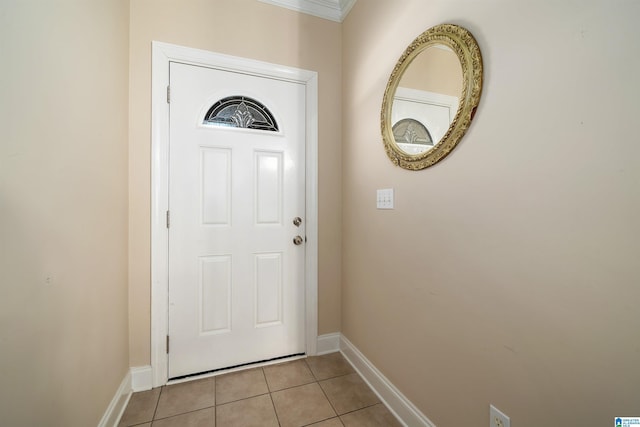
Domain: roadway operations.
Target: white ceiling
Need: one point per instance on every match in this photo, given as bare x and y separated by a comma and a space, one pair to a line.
334, 10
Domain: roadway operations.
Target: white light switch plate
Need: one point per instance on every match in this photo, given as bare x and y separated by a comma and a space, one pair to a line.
385, 198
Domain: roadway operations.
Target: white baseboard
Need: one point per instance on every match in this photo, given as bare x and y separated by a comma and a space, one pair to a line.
141, 378
328, 343
397, 403
118, 404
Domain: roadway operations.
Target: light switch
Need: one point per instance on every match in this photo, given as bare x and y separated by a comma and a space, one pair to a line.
385, 198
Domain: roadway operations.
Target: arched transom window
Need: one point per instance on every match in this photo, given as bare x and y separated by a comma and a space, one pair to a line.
241, 112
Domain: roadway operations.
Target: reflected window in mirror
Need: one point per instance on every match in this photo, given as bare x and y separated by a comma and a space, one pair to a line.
412, 136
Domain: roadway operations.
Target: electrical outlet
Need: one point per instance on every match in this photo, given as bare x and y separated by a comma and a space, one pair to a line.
497, 418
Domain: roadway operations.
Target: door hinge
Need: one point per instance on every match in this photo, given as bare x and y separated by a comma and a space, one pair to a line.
167, 344
168, 94
168, 219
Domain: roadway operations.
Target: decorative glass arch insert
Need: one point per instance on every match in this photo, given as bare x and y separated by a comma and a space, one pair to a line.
410, 131
241, 112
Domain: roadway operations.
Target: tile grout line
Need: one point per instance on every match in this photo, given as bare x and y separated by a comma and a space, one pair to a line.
273, 405
326, 397
360, 409
339, 416
240, 400
184, 413
155, 410
215, 401
328, 400
162, 389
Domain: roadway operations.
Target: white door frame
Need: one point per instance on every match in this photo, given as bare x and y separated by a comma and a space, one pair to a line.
162, 54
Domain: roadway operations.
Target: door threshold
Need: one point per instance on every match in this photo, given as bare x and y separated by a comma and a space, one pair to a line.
235, 368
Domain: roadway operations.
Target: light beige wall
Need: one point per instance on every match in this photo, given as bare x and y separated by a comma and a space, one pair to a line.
251, 29
508, 273
434, 70
63, 210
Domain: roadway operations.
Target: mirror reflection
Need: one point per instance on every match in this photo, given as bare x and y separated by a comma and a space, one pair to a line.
426, 100
431, 97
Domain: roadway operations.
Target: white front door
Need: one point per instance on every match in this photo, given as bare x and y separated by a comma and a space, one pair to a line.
236, 277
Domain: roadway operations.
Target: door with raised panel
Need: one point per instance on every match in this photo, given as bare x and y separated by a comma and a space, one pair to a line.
236, 187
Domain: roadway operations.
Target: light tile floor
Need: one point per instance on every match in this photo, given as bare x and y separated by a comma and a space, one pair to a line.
322, 391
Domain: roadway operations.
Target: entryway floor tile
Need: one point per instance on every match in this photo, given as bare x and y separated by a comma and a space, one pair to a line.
141, 408
253, 412
348, 393
287, 375
373, 416
240, 385
186, 397
319, 391
301, 406
329, 366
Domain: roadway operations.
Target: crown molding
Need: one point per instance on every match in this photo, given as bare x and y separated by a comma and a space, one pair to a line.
334, 10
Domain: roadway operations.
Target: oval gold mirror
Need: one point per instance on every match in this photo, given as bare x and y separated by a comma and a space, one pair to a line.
431, 96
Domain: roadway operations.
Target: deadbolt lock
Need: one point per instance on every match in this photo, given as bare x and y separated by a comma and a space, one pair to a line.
297, 221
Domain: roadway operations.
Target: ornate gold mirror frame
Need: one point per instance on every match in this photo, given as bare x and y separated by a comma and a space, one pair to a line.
462, 43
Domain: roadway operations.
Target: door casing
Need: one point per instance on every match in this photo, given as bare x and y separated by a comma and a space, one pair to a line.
162, 55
